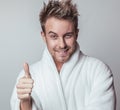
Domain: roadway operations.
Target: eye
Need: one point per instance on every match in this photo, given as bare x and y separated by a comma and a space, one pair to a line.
68, 36
53, 36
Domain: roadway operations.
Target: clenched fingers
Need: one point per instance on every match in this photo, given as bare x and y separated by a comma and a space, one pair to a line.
24, 91
26, 81
23, 96
24, 86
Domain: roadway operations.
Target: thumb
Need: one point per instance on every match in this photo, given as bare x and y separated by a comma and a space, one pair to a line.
26, 70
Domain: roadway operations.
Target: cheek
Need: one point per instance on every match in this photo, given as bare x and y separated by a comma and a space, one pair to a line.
51, 44
71, 42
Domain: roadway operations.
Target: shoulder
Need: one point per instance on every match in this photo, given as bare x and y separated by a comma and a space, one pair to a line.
96, 63
97, 72
95, 67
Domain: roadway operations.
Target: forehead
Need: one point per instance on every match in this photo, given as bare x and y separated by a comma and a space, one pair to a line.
58, 25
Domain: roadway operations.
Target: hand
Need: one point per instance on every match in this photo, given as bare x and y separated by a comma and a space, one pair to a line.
25, 85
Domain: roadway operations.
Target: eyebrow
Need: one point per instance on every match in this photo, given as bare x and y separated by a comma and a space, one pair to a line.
64, 34
52, 32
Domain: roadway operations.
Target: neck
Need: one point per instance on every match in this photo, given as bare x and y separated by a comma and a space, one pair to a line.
59, 66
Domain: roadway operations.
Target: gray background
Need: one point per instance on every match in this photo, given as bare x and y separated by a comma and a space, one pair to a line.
20, 38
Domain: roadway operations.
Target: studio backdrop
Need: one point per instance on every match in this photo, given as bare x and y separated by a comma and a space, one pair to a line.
20, 39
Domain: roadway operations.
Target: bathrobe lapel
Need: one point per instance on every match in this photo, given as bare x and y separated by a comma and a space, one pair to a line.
57, 84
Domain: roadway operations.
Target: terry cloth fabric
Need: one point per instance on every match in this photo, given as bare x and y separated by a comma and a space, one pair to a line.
84, 83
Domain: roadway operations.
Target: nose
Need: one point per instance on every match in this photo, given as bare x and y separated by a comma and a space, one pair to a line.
62, 43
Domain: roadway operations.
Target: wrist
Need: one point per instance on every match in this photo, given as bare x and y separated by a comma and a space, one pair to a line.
26, 104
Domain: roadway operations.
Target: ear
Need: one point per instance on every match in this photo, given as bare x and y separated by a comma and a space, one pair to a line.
43, 36
77, 31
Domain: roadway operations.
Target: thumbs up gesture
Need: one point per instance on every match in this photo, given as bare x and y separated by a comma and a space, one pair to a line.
25, 85
26, 69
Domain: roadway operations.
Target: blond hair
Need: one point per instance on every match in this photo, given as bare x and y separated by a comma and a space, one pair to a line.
60, 10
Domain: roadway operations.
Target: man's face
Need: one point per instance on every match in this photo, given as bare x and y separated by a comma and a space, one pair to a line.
60, 38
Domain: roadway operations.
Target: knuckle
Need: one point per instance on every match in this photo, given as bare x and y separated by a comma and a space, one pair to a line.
31, 86
32, 81
29, 91
26, 96
23, 96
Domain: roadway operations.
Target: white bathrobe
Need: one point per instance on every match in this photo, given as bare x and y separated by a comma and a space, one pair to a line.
84, 83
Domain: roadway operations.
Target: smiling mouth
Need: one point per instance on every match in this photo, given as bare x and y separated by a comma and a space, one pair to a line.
63, 53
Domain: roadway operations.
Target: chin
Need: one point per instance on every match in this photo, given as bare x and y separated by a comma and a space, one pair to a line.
64, 60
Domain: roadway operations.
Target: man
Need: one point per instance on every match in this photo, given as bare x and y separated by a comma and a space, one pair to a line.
64, 78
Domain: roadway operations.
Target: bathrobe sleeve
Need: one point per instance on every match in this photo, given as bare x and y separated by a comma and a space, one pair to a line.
102, 94
15, 102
